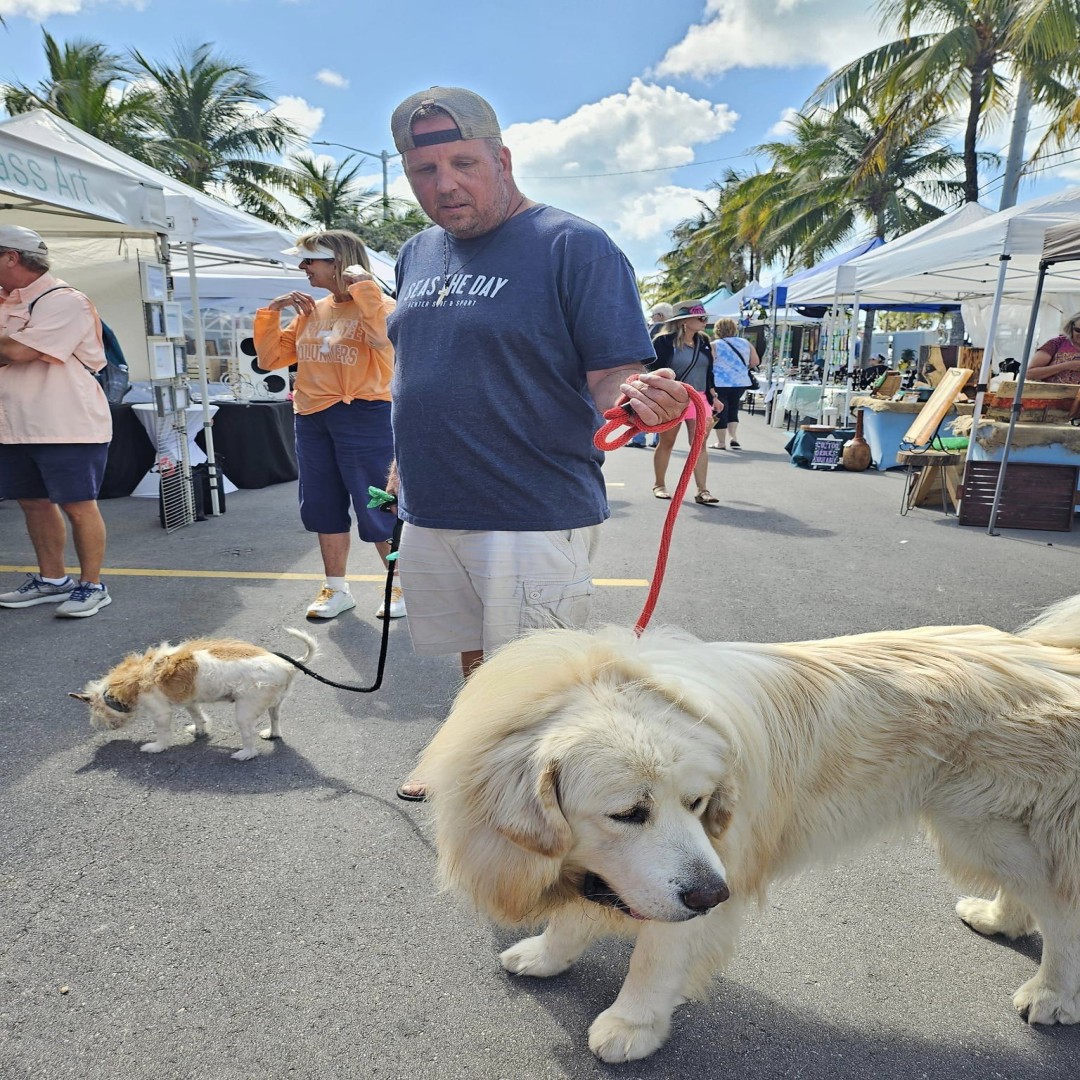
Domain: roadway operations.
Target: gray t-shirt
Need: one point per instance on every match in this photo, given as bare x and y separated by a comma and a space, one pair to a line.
493, 419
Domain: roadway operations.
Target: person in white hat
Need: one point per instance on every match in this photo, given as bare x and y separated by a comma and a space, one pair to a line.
516, 322
55, 425
344, 443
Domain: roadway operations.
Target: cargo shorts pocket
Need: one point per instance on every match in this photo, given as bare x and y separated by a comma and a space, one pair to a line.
546, 605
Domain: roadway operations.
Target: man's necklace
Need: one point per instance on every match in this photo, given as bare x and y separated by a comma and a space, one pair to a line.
444, 292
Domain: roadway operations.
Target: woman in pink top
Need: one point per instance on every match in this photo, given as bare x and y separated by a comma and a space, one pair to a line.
1058, 361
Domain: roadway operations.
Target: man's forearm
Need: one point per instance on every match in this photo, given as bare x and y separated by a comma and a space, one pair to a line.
608, 389
15, 352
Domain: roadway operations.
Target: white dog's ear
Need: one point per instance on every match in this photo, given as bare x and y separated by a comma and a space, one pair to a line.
524, 808
718, 812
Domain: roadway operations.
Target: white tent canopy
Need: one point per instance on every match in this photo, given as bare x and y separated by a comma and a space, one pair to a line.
192, 216
857, 275
75, 189
964, 263
730, 307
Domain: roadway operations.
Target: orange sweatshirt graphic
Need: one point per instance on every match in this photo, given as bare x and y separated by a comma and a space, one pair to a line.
342, 351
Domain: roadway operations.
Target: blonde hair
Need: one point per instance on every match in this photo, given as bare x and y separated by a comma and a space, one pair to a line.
1073, 321
725, 328
347, 247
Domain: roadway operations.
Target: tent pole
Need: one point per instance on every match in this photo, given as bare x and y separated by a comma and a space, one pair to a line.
1018, 396
204, 390
991, 334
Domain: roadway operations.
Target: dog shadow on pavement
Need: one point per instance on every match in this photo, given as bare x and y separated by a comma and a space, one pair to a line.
203, 766
759, 1037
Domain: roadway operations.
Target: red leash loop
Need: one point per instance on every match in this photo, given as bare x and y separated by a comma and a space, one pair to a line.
606, 439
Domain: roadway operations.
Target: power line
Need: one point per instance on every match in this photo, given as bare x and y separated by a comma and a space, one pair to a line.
637, 172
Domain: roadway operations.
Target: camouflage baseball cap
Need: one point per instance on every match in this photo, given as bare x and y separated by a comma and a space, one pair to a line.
474, 117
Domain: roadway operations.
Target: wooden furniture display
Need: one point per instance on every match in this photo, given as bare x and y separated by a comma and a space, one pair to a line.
925, 425
1033, 496
931, 473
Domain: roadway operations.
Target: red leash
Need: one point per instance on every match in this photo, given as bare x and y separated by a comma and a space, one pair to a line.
606, 439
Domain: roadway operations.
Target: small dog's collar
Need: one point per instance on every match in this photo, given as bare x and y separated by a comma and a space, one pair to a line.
116, 706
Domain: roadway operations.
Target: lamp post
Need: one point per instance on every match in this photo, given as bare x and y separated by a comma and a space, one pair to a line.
384, 156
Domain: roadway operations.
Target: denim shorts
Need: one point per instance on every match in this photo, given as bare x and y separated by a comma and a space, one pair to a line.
340, 452
60, 472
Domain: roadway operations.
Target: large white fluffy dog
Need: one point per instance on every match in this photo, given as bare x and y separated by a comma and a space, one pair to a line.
654, 787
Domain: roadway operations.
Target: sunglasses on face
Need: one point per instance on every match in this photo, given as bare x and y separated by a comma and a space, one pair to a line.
306, 262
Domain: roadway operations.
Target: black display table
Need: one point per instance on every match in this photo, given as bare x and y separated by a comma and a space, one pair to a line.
254, 442
131, 454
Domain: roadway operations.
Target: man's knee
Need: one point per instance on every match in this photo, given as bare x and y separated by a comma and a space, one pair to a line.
82, 512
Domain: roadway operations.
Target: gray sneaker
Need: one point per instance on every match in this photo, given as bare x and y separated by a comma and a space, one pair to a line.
84, 601
35, 591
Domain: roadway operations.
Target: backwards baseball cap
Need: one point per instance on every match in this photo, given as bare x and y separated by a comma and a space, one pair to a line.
16, 238
691, 309
474, 117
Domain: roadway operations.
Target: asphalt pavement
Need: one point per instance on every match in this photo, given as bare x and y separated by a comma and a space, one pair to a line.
185, 915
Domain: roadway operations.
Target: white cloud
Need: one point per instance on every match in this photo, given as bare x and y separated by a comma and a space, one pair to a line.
39, 10
783, 125
773, 33
639, 136
306, 118
332, 78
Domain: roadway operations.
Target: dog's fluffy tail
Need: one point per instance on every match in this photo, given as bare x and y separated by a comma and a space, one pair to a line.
1058, 625
309, 641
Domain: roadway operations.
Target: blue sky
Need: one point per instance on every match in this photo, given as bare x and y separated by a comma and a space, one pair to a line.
620, 110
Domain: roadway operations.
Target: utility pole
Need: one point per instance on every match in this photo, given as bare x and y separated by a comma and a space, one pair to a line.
383, 155
1010, 186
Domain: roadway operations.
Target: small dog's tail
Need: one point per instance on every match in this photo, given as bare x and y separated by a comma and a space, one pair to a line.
308, 640
1058, 625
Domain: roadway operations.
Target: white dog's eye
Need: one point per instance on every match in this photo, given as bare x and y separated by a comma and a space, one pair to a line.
698, 804
636, 815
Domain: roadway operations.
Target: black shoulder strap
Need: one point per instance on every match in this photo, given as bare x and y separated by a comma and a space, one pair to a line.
30, 311
31, 305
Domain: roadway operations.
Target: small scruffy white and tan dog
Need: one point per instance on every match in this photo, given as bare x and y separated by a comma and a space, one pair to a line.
192, 674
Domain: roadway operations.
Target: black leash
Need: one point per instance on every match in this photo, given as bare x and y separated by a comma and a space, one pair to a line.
395, 539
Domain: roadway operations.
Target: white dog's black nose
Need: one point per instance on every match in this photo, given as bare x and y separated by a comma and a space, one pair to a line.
705, 898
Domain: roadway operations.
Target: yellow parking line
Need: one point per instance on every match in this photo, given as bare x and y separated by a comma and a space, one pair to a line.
256, 575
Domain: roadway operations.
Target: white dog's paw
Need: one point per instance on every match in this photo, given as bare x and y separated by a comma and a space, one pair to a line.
197, 730
988, 917
1039, 1004
153, 747
532, 957
244, 755
268, 733
614, 1038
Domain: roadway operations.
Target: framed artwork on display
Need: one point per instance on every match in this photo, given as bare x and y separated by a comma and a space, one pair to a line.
154, 282
163, 359
155, 319
174, 319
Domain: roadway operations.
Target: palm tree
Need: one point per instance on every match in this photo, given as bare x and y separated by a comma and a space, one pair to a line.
403, 219
214, 131
870, 170
327, 192
88, 86
961, 63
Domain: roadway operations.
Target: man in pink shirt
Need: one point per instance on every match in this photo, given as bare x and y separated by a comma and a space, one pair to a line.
55, 425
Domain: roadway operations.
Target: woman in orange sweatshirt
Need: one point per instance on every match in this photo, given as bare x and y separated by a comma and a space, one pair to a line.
341, 399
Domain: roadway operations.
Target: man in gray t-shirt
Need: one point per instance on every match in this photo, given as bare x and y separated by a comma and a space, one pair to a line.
516, 325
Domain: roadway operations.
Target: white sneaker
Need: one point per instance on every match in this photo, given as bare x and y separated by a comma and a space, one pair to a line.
330, 603
397, 605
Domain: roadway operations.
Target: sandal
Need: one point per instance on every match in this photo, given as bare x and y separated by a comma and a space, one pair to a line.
705, 497
734, 445
412, 791
660, 492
